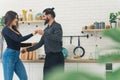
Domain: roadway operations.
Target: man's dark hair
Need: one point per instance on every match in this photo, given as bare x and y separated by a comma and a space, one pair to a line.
49, 11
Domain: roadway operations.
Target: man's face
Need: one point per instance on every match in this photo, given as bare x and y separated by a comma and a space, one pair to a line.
46, 18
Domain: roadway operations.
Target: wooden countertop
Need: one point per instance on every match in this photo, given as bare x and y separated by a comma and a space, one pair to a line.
67, 61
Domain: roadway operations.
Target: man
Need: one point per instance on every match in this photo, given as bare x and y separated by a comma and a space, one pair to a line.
52, 41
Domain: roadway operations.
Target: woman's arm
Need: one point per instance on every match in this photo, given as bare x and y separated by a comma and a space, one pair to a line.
26, 44
16, 37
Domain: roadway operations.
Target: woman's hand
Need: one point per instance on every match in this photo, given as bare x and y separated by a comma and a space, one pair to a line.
35, 32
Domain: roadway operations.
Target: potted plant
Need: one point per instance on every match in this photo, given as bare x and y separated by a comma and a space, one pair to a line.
112, 19
1, 23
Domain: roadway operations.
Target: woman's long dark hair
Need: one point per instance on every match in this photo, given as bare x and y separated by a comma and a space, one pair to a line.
9, 17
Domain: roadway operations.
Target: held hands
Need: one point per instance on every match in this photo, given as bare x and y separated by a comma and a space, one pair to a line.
41, 32
34, 33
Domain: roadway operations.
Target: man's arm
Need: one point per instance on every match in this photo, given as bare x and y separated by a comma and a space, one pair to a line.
38, 45
26, 44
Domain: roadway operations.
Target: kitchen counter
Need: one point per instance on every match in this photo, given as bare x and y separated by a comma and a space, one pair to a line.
67, 61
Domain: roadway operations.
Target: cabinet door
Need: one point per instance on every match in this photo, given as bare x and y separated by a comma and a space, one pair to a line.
115, 66
36, 71
70, 67
93, 68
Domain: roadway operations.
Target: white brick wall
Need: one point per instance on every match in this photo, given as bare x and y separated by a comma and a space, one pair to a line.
72, 14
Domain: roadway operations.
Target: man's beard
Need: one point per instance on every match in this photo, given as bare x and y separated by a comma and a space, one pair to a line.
46, 21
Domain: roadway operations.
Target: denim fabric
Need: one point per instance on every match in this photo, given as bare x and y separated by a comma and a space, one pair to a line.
12, 63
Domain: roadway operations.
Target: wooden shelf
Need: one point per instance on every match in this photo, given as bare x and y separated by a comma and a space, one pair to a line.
24, 22
93, 30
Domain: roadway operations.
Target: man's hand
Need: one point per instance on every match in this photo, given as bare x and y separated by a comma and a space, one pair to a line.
23, 50
41, 32
33, 44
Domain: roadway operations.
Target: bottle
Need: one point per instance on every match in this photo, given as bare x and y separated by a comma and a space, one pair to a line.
30, 15
30, 55
24, 12
96, 52
34, 55
20, 17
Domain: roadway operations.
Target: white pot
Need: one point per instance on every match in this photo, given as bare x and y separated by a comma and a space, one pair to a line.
113, 25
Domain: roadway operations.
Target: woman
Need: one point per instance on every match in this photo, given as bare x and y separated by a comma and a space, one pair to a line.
13, 38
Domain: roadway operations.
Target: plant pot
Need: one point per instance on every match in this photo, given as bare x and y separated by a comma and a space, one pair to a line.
113, 25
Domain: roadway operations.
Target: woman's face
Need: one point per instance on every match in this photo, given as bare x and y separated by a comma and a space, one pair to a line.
15, 21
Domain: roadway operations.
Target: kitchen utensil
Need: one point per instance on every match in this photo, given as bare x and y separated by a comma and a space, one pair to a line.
102, 25
79, 50
96, 25
70, 47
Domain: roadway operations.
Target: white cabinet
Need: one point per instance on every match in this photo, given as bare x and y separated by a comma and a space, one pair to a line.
116, 66
70, 67
36, 71
93, 68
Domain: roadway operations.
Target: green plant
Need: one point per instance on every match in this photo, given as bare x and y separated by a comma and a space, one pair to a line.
118, 12
1, 23
113, 17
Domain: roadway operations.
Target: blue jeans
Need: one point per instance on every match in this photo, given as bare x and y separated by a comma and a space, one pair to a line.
12, 63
